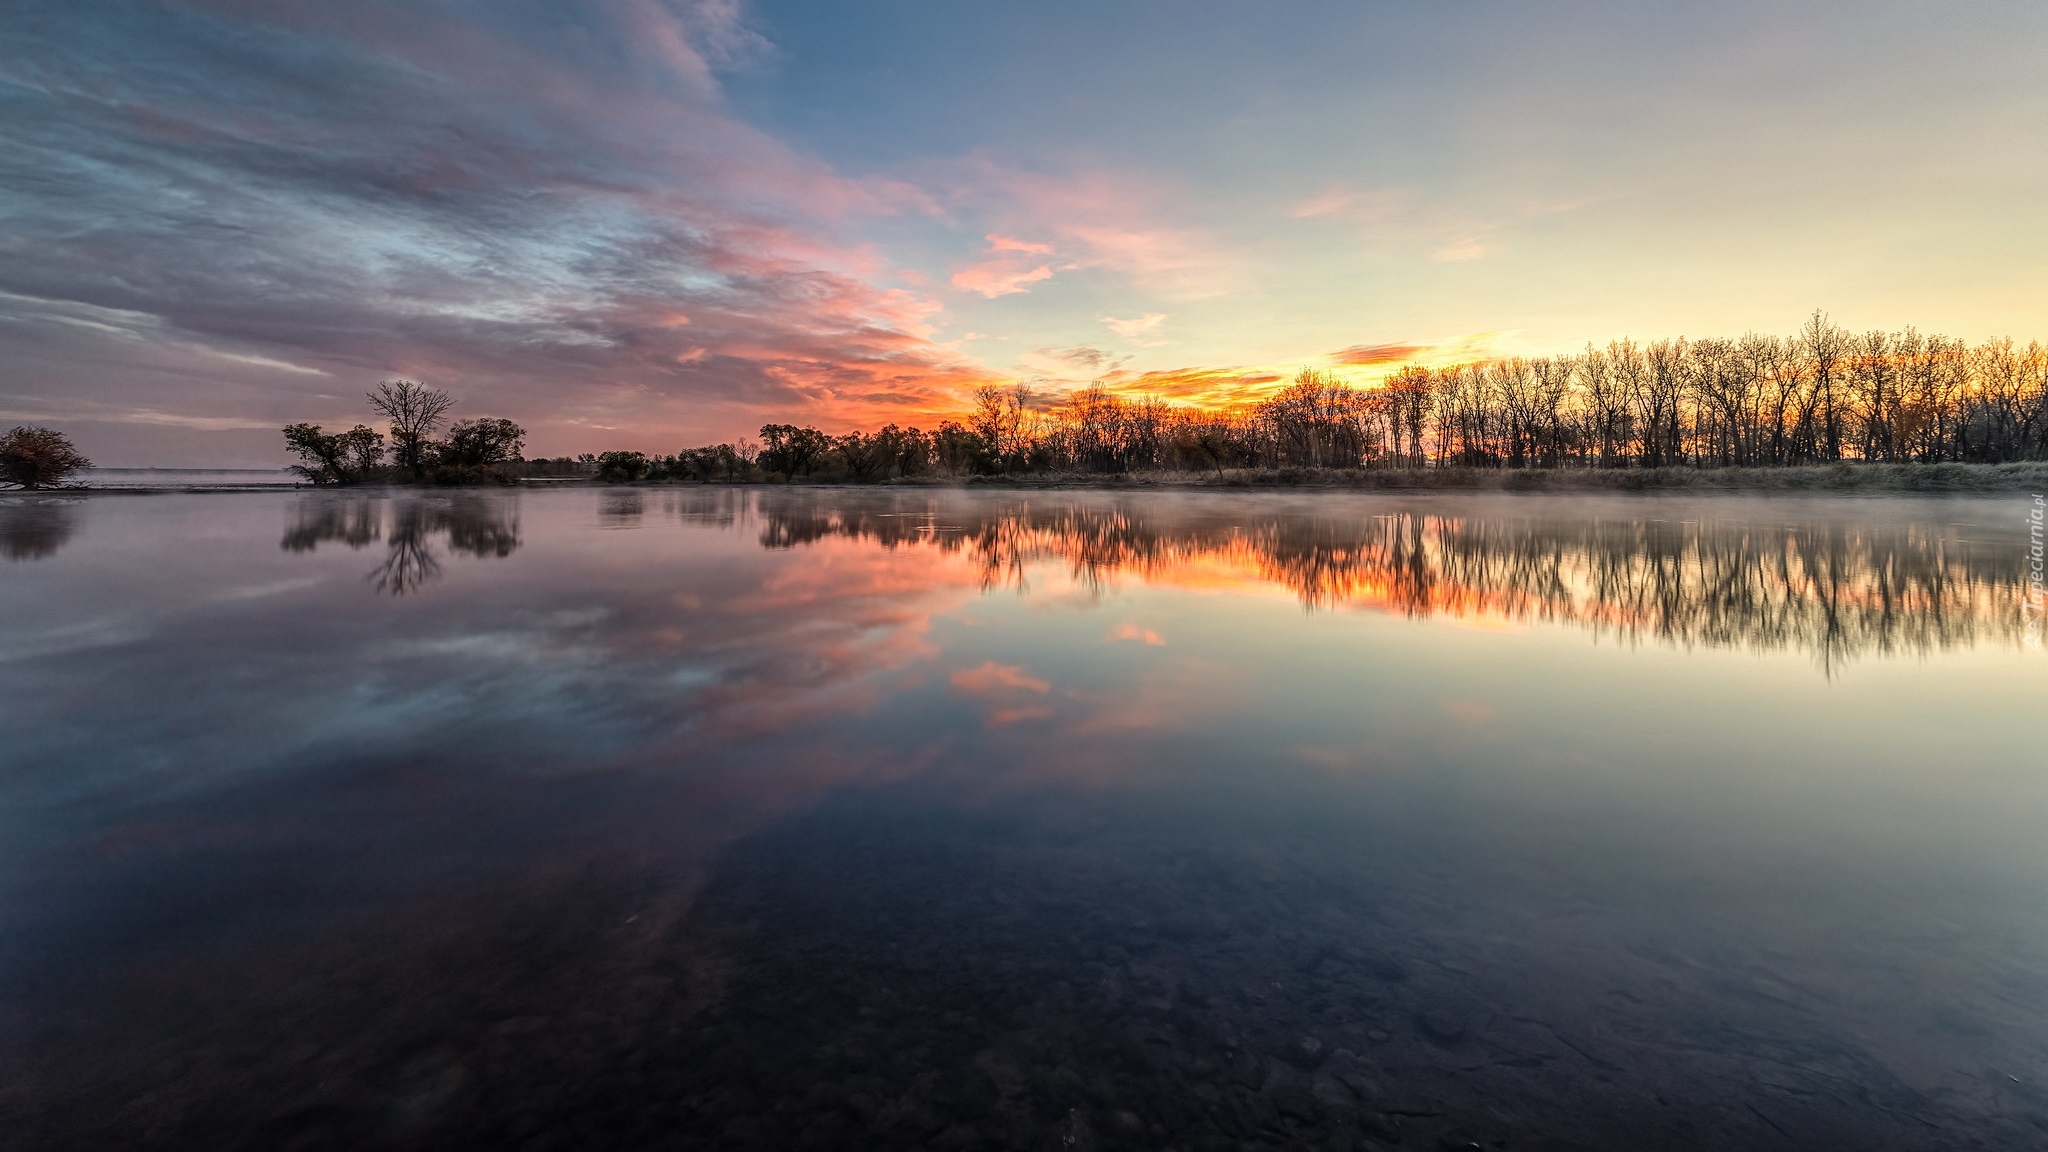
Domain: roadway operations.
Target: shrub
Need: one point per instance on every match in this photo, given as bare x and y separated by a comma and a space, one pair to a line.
38, 457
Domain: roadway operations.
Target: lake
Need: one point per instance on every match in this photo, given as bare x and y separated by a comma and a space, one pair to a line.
814, 818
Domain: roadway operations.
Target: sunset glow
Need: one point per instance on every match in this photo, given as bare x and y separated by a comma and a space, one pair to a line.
647, 225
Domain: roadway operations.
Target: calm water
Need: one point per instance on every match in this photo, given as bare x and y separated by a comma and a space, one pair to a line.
787, 819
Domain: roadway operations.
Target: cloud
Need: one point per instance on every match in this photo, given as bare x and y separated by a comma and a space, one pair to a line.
1052, 371
1204, 386
1367, 207
1363, 354
1451, 350
1138, 329
321, 195
1007, 269
1097, 219
1082, 356
1460, 251
999, 278
1389, 216
1003, 716
1006, 244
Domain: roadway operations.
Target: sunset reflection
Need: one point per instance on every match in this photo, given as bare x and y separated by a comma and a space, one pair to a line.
1743, 576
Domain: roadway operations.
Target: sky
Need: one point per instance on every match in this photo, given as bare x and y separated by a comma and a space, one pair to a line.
652, 224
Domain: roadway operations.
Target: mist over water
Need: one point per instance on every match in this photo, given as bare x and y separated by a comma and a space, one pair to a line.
818, 818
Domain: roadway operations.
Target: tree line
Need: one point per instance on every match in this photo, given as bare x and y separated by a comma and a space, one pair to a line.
1822, 396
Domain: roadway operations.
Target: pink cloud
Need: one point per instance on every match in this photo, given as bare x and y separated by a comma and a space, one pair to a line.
1007, 268
1098, 219
998, 278
1006, 244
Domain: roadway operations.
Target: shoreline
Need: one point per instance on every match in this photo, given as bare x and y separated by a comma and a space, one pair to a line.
1827, 479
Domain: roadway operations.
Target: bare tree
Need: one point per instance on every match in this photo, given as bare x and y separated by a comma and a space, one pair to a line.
1824, 345
414, 410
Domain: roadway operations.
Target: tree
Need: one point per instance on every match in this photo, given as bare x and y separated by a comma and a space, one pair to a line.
907, 450
344, 458
791, 450
726, 459
958, 450
866, 457
1002, 417
414, 410
622, 467
1824, 346
38, 457
482, 443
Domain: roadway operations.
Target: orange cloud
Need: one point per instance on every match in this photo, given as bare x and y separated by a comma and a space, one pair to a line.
1378, 353
1206, 386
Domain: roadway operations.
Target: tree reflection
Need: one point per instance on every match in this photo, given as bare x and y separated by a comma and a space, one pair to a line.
1834, 588
621, 509
33, 529
472, 524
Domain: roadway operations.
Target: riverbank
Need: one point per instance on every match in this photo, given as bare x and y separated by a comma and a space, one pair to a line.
2031, 476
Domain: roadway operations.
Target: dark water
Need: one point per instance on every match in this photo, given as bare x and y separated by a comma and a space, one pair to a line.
812, 819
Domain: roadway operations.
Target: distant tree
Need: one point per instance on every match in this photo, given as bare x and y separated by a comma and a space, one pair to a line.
1825, 346
414, 410
622, 467
906, 450
38, 457
726, 459
1198, 447
344, 458
791, 450
961, 450
1002, 417
866, 457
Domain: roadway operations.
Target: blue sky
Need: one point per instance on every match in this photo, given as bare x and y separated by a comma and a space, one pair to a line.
648, 224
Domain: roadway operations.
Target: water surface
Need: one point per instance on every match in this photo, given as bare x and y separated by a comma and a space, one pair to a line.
812, 818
